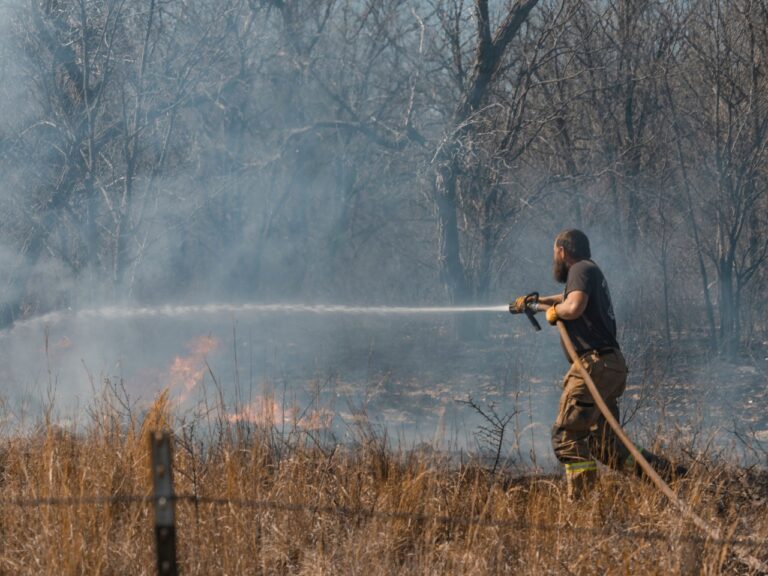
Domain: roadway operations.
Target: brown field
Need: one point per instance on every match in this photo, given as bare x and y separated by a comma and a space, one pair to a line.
526, 525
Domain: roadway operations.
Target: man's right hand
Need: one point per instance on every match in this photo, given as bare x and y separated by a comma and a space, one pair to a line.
521, 303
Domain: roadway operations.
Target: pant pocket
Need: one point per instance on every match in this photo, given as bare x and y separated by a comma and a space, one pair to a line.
579, 415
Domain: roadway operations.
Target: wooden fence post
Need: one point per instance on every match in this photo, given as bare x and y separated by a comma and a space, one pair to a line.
165, 516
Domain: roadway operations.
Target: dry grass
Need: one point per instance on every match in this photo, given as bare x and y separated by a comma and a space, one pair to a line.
545, 534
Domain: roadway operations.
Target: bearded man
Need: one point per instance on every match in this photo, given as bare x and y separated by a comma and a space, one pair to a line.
581, 433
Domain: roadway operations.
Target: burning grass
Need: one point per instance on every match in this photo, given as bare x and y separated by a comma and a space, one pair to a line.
405, 499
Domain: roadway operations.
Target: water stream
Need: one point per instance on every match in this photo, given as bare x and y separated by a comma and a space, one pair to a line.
169, 311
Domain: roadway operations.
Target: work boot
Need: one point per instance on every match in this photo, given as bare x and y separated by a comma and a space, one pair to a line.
580, 478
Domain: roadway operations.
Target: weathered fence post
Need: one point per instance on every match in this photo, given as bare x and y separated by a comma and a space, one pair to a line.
165, 516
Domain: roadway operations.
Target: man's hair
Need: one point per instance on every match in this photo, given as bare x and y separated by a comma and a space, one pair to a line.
575, 243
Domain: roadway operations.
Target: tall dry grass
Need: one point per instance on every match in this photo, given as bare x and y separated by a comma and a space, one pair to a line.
625, 527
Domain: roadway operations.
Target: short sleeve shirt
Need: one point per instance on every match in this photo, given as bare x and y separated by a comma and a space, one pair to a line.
595, 329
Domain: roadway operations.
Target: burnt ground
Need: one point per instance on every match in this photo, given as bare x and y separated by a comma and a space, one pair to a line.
409, 377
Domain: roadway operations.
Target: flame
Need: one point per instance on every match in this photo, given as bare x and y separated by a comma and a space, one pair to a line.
266, 411
186, 372
321, 419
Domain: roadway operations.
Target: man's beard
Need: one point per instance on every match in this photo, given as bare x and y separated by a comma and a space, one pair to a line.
560, 271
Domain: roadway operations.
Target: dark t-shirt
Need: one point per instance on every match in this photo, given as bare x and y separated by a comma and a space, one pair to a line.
595, 329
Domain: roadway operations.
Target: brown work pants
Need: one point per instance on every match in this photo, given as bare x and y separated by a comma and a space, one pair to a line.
581, 432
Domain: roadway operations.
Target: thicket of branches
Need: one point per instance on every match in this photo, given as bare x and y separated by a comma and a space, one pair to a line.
391, 151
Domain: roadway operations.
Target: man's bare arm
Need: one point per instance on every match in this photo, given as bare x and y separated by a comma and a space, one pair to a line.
573, 306
551, 300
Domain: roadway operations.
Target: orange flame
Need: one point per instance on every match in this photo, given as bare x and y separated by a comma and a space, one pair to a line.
266, 411
186, 372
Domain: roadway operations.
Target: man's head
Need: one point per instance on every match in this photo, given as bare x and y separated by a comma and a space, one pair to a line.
571, 245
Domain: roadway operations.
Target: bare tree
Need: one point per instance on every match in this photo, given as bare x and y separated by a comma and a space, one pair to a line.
723, 96
491, 47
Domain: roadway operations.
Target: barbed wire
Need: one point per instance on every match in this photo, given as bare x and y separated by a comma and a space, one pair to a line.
463, 520
387, 515
75, 500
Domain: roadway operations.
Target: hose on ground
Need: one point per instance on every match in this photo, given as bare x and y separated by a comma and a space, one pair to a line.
741, 553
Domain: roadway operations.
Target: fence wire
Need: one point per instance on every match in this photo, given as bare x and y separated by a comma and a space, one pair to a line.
75, 501
371, 513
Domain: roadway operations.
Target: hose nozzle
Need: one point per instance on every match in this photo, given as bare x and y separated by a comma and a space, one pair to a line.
530, 308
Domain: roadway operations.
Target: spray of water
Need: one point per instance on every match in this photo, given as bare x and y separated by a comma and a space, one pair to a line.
120, 312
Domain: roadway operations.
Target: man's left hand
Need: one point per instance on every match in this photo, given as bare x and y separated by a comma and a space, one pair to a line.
552, 316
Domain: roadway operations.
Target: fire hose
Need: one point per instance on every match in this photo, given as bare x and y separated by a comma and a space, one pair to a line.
712, 532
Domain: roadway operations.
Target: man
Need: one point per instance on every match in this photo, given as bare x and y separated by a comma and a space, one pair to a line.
581, 433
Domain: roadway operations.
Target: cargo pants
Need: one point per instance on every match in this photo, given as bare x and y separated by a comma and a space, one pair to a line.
581, 433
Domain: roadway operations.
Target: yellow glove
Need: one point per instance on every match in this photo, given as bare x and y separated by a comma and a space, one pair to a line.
552, 316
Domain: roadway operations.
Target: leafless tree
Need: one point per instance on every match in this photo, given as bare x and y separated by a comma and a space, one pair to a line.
722, 96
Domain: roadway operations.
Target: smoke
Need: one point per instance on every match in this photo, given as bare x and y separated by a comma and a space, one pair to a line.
230, 154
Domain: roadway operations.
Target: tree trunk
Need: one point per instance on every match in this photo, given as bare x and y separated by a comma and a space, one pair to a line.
665, 279
452, 272
728, 309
